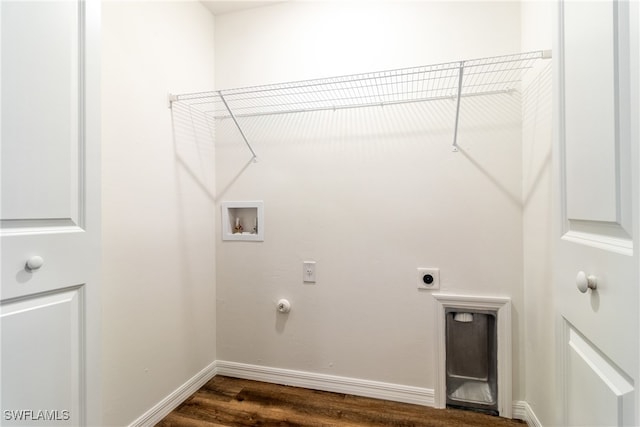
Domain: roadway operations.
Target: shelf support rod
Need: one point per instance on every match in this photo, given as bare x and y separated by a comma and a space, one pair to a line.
455, 127
233, 117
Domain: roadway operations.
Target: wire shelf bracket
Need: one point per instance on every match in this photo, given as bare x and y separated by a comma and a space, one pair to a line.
233, 117
454, 146
453, 80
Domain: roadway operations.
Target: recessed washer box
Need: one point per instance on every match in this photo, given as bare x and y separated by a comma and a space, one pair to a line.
243, 221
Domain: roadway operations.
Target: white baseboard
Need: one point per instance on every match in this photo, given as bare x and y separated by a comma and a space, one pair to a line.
358, 387
169, 403
522, 411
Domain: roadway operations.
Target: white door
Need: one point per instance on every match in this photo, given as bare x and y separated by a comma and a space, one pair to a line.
50, 206
597, 232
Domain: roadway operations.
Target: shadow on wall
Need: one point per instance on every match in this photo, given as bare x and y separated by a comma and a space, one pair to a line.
193, 139
537, 113
489, 132
194, 185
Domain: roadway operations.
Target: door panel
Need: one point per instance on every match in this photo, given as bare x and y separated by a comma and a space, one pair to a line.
40, 111
50, 179
596, 141
596, 183
599, 394
43, 334
591, 168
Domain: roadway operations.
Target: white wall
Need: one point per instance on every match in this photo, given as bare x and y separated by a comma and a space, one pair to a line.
311, 39
370, 194
537, 137
158, 205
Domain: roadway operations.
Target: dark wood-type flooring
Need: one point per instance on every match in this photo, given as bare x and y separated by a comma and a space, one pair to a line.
225, 401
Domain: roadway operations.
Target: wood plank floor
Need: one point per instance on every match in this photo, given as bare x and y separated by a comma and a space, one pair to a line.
225, 401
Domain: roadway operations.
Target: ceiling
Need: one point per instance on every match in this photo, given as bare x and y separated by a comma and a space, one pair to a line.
219, 7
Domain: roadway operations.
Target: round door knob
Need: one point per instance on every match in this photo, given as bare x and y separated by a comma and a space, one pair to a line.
584, 282
35, 262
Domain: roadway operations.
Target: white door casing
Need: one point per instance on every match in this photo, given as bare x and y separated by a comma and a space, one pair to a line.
50, 205
596, 232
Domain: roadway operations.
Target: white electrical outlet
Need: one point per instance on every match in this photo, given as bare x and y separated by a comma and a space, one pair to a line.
309, 272
428, 278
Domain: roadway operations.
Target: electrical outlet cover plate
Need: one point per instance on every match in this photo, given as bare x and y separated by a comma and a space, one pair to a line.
434, 273
309, 272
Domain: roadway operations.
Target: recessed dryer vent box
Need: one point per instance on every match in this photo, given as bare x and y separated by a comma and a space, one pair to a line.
243, 221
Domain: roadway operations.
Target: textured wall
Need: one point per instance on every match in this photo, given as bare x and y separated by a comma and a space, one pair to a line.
158, 205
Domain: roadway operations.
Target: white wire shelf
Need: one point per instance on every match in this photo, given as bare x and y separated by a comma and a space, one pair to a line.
453, 80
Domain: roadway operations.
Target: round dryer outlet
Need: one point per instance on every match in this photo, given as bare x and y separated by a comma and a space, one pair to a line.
428, 278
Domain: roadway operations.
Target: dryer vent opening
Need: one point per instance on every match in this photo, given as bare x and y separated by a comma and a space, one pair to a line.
471, 360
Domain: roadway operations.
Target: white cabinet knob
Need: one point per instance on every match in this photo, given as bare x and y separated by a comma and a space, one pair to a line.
34, 263
584, 282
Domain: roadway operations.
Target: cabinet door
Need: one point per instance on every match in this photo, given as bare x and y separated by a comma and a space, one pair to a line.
597, 184
50, 229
